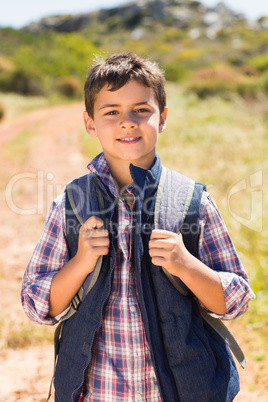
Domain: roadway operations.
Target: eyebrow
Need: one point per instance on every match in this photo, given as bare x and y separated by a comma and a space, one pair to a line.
109, 105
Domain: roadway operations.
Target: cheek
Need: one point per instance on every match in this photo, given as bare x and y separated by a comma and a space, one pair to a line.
104, 130
153, 128
154, 122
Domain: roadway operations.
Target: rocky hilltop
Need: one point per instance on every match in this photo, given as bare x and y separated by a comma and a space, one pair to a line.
183, 14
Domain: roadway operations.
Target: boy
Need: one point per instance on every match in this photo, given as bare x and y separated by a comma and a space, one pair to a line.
134, 336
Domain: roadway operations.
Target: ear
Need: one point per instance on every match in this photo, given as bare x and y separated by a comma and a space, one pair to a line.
90, 125
162, 121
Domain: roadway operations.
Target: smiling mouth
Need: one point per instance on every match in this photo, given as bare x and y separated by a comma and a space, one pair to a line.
129, 139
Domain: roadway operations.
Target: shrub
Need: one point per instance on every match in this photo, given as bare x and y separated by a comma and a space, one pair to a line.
260, 62
2, 111
70, 87
249, 71
195, 4
249, 89
5, 64
188, 55
264, 83
211, 81
175, 72
223, 81
22, 81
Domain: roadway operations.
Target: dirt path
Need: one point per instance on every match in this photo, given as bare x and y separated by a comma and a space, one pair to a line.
26, 191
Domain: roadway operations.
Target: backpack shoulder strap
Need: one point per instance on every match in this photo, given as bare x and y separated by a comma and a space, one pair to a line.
173, 199
189, 227
73, 211
177, 207
183, 215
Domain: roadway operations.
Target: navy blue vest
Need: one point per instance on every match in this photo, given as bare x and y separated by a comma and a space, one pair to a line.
191, 361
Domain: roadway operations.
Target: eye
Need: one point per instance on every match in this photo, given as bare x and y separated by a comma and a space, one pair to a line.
111, 113
142, 110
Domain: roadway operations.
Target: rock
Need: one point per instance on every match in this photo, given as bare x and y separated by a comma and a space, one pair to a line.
132, 15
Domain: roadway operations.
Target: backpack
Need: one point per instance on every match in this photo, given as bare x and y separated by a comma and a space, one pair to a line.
187, 209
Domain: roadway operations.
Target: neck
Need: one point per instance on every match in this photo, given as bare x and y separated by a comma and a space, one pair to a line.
121, 174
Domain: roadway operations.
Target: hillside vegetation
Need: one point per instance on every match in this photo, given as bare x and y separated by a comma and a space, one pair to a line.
209, 51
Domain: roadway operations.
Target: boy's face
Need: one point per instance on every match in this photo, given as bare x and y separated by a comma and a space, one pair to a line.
127, 123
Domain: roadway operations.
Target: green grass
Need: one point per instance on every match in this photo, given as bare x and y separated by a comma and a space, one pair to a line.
29, 335
18, 148
16, 105
90, 147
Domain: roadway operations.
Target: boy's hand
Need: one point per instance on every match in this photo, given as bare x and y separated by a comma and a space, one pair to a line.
168, 250
93, 242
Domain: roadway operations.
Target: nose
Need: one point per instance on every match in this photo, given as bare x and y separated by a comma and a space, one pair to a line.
128, 121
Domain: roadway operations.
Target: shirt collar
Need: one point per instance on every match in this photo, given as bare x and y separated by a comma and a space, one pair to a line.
143, 179
99, 166
146, 177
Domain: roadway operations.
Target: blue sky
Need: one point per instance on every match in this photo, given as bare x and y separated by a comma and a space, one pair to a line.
17, 13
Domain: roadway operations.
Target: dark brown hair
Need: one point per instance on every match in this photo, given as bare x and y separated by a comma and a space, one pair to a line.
117, 70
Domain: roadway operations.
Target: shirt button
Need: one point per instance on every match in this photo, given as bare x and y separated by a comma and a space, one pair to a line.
126, 222
133, 309
225, 282
138, 396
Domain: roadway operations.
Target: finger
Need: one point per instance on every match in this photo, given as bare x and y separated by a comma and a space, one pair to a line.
161, 234
100, 242
160, 261
92, 223
103, 250
97, 246
95, 233
164, 235
166, 243
157, 253
97, 251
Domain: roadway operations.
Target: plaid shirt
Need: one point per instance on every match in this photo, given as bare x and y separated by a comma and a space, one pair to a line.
121, 368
